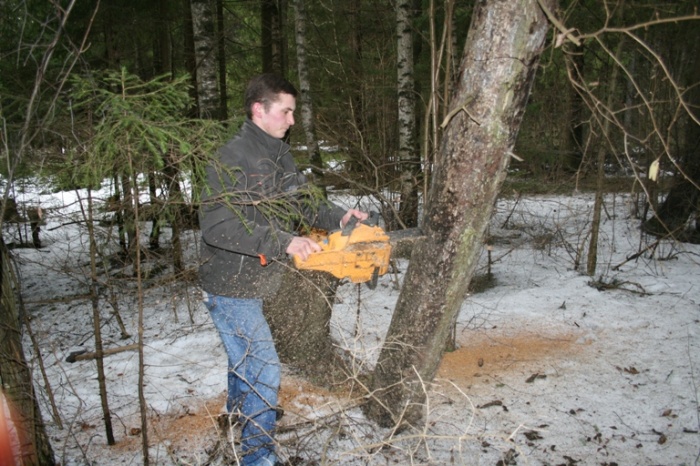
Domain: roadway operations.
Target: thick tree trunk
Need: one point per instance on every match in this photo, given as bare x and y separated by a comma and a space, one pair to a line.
16, 377
299, 318
505, 40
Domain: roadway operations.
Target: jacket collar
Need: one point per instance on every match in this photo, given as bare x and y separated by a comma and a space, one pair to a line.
272, 144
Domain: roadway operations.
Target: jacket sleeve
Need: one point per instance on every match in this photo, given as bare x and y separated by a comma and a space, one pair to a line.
230, 221
329, 216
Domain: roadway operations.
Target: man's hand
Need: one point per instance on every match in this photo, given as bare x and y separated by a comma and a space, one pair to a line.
361, 216
302, 247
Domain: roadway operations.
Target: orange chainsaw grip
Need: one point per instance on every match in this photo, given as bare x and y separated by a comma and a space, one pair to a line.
263, 260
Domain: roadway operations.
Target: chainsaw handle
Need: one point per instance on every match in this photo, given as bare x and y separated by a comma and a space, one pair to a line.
347, 229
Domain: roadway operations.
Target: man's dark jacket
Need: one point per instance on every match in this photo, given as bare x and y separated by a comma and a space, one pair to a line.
254, 200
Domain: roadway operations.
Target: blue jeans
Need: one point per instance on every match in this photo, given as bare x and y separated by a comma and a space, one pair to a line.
253, 373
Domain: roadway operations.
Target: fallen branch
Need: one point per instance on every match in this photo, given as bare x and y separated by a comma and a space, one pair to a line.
83, 355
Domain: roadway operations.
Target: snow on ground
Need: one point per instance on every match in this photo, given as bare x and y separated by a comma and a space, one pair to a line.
552, 367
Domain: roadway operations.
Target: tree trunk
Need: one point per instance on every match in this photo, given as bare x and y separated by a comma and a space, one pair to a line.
176, 207
299, 317
574, 138
221, 55
162, 62
307, 110
505, 40
203, 26
408, 155
190, 56
127, 215
274, 39
16, 377
154, 235
604, 124
97, 321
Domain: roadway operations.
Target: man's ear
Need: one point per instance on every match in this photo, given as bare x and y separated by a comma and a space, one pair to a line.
258, 109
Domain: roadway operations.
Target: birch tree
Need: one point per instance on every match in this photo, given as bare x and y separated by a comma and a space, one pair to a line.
408, 155
203, 26
307, 111
496, 73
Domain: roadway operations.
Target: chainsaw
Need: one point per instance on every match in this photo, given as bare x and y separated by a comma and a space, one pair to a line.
359, 253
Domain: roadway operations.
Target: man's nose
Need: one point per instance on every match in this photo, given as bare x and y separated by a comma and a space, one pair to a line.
290, 120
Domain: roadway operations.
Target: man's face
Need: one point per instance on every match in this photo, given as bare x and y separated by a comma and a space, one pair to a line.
278, 117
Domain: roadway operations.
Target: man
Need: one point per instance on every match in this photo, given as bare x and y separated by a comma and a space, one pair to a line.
254, 201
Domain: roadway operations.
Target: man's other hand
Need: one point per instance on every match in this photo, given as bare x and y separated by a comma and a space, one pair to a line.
361, 216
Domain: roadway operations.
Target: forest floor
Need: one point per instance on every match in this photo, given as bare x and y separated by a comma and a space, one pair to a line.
552, 367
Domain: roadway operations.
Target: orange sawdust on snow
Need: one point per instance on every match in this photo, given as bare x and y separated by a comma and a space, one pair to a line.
189, 428
484, 354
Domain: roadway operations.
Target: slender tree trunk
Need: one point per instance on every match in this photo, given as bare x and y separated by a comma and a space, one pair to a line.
143, 407
16, 377
592, 259
307, 110
190, 55
574, 142
176, 206
97, 321
408, 155
127, 212
154, 236
221, 54
114, 204
505, 40
356, 71
162, 59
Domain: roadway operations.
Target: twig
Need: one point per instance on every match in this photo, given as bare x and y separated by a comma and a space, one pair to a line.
558, 24
455, 111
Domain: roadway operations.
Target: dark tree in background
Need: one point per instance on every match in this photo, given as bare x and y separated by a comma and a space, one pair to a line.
274, 36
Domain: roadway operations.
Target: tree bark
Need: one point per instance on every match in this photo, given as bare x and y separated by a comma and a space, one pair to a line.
274, 39
299, 318
97, 321
221, 55
16, 376
408, 155
203, 26
190, 56
498, 66
307, 110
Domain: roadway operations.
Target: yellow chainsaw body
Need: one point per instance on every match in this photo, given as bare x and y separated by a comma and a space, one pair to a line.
359, 256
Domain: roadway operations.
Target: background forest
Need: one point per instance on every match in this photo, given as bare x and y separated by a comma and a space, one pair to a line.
130, 98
